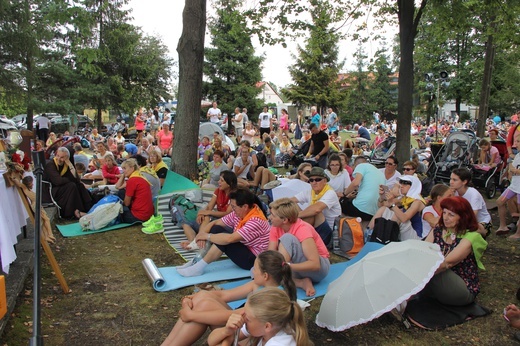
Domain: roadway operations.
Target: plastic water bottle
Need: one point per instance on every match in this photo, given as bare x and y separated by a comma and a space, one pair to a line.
368, 234
202, 252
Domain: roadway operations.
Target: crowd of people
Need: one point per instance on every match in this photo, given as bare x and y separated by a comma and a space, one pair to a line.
285, 241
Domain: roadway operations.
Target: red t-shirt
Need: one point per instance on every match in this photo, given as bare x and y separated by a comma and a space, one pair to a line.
110, 174
139, 190
222, 200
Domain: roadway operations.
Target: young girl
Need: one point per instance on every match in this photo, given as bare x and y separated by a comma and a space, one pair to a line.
489, 155
432, 213
269, 318
209, 308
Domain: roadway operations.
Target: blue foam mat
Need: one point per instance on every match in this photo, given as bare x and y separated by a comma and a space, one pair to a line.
216, 271
321, 287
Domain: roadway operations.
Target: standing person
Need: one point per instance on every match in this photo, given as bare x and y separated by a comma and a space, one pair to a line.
284, 122
269, 318
460, 181
319, 145
265, 122
315, 117
245, 118
249, 235
332, 121
140, 123
238, 122
299, 125
299, 243
137, 203
44, 125
214, 114
323, 204
367, 179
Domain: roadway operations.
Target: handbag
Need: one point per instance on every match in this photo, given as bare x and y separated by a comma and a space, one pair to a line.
385, 231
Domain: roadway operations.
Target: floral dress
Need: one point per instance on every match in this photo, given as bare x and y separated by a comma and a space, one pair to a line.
467, 269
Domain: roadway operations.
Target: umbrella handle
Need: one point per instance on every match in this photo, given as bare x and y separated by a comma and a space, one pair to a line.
235, 340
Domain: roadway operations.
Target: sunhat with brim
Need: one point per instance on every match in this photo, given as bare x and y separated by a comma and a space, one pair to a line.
317, 172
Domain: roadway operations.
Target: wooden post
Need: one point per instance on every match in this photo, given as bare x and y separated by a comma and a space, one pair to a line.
48, 251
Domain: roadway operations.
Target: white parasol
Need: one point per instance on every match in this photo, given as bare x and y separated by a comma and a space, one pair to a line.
378, 283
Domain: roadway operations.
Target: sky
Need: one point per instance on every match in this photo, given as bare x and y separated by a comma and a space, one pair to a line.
163, 18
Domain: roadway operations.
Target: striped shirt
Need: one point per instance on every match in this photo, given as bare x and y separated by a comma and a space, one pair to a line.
255, 232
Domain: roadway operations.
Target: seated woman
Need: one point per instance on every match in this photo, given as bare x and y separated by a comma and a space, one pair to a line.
285, 150
112, 146
335, 142
158, 165
408, 215
210, 309
137, 203
241, 235
165, 139
216, 167
217, 145
456, 281
301, 172
432, 213
52, 138
339, 178
204, 149
299, 243
281, 322
242, 166
226, 184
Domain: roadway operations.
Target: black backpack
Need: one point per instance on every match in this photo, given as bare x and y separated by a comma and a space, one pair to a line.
385, 231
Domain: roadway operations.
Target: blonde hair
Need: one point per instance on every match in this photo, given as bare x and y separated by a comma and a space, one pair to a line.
285, 208
273, 305
301, 168
130, 163
157, 155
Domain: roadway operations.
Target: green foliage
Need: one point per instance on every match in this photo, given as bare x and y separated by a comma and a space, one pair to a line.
315, 72
383, 93
231, 68
359, 104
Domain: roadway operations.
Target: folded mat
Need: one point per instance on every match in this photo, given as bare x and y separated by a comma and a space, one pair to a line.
167, 278
321, 287
74, 229
428, 313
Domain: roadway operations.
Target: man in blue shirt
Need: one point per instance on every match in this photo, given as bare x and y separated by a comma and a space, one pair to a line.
363, 132
316, 117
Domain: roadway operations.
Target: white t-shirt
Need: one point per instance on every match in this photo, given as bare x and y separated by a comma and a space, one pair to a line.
330, 199
214, 114
515, 180
477, 203
240, 164
280, 339
43, 122
339, 182
426, 228
238, 125
265, 119
392, 180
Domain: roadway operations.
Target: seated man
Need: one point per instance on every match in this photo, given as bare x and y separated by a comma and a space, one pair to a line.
67, 190
323, 203
299, 243
241, 235
363, 192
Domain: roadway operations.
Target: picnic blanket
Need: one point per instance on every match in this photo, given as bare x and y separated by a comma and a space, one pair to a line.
321, 287
74, 229
167, 278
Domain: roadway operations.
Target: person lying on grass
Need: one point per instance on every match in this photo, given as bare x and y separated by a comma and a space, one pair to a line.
241, 235
299, 243
210, 309
226, 184
269, 318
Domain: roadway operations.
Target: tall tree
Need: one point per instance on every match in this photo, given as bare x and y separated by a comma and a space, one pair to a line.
191, 61
358, 106
231, 67
315, 72
382, 92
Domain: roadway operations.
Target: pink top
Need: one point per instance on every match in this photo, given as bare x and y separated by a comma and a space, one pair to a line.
302, 231
255, 232
165, 140
283, 120
139, 123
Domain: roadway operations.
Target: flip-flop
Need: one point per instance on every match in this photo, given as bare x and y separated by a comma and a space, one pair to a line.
502, 231
512, 226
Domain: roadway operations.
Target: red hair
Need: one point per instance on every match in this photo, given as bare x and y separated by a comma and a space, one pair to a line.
461, 207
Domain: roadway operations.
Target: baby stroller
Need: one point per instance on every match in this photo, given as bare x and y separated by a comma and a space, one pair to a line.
459, 150
489, 178
380, 153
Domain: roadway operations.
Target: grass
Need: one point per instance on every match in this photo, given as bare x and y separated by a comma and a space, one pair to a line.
112, 301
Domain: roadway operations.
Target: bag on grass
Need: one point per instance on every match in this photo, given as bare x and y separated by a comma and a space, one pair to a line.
351, 236
182, 209
102, 214
385, 231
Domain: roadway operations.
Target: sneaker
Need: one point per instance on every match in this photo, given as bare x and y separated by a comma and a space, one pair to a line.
153, 228
154, 220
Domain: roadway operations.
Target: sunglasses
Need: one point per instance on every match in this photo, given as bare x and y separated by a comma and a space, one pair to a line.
389, 163
312, 180
408, 169
405, 182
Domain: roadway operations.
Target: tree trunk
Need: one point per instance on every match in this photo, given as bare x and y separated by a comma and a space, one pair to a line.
405, 85
98, 118
191, 59
486, 87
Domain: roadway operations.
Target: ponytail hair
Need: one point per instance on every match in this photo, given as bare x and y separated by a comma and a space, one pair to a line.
273, 263
272, 305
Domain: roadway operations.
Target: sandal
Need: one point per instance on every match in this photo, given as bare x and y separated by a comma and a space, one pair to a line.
502, 231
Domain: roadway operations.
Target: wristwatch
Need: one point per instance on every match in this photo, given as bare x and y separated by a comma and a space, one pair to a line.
393, 205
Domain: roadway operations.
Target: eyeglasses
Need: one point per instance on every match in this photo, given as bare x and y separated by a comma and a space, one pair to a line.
389, 164
234, 206
405, 182
408, 169
312, 180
